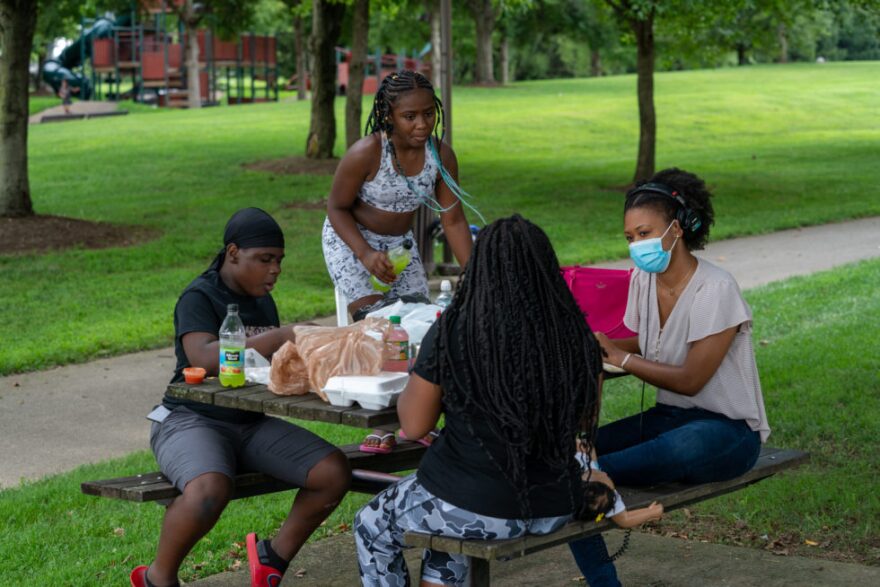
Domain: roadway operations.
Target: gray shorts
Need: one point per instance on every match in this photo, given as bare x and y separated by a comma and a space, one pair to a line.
187, 444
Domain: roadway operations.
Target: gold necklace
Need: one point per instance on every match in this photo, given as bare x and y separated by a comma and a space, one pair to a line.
671, 290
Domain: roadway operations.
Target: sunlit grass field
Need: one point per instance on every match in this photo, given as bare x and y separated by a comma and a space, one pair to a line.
781, 146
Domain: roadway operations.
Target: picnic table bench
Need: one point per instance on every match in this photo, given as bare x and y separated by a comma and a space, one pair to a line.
671, 495
370, 474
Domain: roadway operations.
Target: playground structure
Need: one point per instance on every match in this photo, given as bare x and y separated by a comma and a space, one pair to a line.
378, 66
150, 53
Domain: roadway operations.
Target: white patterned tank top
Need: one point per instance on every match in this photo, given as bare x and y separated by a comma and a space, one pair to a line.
390, 191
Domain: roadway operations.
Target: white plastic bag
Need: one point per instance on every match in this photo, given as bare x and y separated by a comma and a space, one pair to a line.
256, 367
415, 318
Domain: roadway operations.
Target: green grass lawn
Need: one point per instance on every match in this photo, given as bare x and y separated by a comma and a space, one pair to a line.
39, 103
782, 146
814, 334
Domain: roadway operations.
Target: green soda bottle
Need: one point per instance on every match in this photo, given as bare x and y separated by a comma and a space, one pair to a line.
232, 343
400, 257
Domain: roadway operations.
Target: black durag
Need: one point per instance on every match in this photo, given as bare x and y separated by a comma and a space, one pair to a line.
249, 228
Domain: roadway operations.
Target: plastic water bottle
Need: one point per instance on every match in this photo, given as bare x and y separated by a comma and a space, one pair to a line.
400, 257
396, 347
232, 344
445, 298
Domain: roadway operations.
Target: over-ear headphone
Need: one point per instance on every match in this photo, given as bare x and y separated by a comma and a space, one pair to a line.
688, 219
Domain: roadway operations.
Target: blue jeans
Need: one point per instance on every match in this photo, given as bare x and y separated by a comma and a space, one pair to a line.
674, 444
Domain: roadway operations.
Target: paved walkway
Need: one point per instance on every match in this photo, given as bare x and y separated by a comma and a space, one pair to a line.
99, 410
650, 561
78, 107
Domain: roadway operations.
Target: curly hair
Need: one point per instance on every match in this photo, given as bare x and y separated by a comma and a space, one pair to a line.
390, 90
696, 196
528, 363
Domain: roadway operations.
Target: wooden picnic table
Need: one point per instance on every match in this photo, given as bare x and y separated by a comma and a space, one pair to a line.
256, 397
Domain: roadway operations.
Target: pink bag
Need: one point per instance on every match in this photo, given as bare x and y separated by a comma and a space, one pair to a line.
601, 295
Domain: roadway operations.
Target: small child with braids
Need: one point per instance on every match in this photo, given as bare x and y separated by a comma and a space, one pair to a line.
601, 499
401, 164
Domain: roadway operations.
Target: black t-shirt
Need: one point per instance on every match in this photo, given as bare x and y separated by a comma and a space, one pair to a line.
202, 308
458, 469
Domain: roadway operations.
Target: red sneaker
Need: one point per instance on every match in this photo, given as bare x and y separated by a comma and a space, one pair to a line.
138, 576
262, 575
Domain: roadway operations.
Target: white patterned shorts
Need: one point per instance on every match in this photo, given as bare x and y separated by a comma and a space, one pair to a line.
350, 275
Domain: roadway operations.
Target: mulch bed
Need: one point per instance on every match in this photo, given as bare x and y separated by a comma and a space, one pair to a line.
42, 233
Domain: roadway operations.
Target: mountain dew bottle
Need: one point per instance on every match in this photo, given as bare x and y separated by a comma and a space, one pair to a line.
400, 257
232, 343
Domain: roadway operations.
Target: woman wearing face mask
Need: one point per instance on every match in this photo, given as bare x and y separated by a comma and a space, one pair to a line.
694, 344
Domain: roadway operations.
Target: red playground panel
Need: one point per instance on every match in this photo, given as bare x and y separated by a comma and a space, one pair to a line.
102, 53
389, 64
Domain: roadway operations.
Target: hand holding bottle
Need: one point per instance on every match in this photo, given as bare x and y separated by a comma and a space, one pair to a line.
379, 265
399, 257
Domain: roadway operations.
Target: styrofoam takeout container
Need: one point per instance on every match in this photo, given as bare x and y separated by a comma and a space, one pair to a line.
372, 392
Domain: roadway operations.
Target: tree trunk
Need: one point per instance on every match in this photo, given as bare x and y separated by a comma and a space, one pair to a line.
354, 95
782, 36
484, 17
596, 63
301, 74
38, 76
18, 20
191, 57
326, 26
433, 8
741, 57
505, 58
644, 32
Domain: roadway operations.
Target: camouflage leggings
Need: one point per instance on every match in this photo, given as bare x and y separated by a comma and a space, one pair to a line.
379, 527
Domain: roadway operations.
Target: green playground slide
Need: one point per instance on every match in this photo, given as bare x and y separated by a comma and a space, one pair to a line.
60, 68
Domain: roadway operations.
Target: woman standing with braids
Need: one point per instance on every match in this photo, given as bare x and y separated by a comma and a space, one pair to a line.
514, 368
694, 344
401, 164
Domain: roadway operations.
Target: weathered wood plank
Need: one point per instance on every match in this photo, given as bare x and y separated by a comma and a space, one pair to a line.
203, 392
154, 486
479, 573
671, 495
444, 544
316, 409
255, 402
279, 404
363, 418
232, 398
257, 398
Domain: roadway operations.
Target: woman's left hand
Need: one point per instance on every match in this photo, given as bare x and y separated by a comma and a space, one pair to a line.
611, 352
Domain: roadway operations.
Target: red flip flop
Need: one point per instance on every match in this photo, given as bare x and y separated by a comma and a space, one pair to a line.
138, 576
262, 575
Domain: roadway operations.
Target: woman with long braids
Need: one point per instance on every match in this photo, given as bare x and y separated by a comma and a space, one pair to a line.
401, 164
694, 343
516, 371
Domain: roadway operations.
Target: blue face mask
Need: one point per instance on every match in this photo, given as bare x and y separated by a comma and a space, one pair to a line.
649, 256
